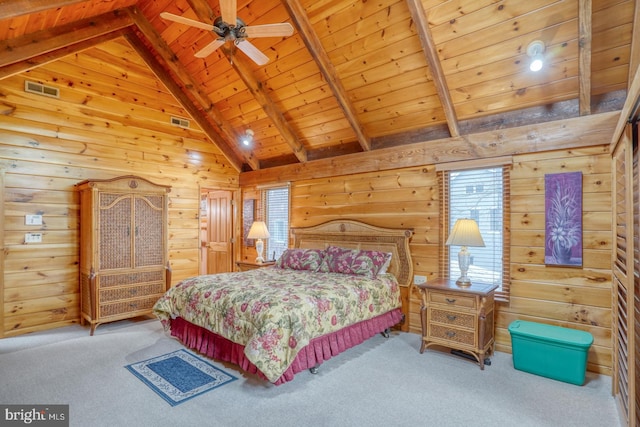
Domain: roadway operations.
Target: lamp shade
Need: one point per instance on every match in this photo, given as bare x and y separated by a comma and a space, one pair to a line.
465, 233
258, 230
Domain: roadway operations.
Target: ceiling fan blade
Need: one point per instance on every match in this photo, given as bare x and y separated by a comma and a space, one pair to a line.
209, 49
175, 18
252, 52
269, 30
228, 11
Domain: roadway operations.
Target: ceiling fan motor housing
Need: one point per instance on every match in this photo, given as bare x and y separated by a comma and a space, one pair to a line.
227, 31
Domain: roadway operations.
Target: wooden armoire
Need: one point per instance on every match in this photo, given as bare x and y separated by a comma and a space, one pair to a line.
124, 266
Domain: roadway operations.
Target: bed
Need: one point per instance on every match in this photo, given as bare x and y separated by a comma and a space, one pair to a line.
336, 287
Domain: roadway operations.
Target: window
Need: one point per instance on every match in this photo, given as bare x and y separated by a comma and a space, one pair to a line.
276, 202
488, 204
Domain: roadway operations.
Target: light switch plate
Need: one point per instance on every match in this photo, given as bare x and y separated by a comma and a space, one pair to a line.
33, 220
33, 238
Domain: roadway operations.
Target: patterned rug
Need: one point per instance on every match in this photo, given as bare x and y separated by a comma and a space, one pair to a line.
179, 376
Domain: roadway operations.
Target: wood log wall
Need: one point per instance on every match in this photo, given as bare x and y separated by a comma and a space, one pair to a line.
106, 123
574, 297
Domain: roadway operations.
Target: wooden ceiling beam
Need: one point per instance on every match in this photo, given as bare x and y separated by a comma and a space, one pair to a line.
44, 41
587, 131
419, 17
312, 42
45, 58
205, 12
15, 8
186, 83
584, 55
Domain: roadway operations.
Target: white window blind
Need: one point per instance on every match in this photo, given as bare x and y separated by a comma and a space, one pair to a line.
277, 219
480, 194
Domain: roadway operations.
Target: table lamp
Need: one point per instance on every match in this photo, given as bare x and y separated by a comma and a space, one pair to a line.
465, 233
259, 231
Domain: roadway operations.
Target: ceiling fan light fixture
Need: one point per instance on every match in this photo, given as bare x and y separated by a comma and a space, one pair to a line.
535, 51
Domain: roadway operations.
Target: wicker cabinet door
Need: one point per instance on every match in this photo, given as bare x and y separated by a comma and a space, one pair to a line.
115, 223
149, 231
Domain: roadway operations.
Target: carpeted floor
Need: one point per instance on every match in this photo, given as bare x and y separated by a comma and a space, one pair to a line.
383, 382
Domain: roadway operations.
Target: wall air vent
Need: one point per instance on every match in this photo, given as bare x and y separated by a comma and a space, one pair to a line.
177, 121
41, 89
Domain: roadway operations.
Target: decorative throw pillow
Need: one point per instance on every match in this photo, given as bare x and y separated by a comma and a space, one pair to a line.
355, 261
300, 259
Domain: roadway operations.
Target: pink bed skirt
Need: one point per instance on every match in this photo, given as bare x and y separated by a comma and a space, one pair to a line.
318, 350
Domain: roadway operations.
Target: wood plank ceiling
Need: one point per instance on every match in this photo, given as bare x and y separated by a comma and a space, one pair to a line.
355, 76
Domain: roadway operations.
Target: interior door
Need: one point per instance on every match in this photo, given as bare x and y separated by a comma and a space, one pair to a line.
219, 244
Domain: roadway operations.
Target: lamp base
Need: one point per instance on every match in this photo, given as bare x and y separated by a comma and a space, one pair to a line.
463, 282
259, 249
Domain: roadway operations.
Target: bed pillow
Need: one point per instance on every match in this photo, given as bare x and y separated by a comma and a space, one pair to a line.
355, 261
300, 259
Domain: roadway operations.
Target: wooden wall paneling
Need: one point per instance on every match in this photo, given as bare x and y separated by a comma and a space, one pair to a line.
48, 145
572, 297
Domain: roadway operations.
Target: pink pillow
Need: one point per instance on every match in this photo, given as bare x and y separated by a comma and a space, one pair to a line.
300, 259
355, 261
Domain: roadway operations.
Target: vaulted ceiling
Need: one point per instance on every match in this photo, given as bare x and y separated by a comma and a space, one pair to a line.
354, 76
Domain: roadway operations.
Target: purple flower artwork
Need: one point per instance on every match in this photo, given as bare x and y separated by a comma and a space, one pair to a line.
563, 219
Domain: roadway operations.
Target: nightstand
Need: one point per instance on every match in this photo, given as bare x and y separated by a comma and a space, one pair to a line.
248, 265
460, 318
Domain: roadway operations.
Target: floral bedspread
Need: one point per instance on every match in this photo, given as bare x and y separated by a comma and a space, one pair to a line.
275, 312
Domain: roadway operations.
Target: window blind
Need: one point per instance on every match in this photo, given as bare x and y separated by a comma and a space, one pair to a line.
277, 219
483, 195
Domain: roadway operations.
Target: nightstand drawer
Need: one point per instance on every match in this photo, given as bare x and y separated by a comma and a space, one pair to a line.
452, 335
452, 299
453, 318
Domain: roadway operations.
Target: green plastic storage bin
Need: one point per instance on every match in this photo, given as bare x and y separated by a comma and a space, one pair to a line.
550, 351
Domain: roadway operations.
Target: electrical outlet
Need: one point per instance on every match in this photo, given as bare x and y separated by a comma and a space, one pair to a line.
33, 238
33, 220
419, 280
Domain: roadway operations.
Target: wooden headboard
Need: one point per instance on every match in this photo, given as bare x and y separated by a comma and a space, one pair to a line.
358, 235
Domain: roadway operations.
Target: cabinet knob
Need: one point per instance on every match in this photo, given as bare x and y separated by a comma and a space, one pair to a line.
450, 334
451, 300
451, 317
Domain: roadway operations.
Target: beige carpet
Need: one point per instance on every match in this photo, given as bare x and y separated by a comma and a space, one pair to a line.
383, 382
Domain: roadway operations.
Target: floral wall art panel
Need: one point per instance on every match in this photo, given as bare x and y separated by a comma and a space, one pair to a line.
563, 219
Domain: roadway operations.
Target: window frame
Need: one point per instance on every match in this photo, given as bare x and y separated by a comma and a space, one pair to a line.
443, 174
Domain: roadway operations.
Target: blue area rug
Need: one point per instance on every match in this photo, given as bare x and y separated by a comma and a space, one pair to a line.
179, 376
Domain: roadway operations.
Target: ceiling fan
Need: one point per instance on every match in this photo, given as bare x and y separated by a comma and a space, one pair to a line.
229, 27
